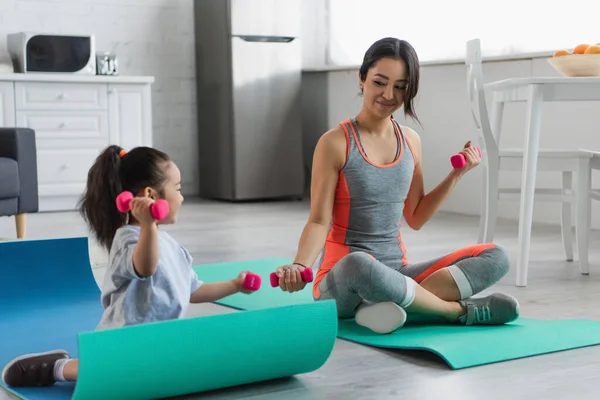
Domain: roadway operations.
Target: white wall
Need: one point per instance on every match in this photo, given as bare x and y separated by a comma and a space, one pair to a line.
313, 33
150, 37
442, 107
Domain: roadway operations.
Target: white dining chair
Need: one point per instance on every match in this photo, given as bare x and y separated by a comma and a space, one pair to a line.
561, 161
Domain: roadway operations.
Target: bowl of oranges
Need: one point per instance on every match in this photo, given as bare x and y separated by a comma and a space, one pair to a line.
583, 60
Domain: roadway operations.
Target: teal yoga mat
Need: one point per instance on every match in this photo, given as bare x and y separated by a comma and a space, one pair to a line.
49, 300
166, 359
459, 346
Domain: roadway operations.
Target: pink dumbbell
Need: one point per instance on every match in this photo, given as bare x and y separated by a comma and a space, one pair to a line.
252, 281
159, 209
306, 275
458, 160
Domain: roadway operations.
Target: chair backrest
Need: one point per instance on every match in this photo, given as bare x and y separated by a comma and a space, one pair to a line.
477, 101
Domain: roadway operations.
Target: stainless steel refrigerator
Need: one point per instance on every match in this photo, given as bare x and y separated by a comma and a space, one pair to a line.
248, 74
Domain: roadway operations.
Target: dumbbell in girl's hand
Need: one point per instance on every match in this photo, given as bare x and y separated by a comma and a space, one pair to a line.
252, 281
159, 209
459, 161
247, 282
306, 274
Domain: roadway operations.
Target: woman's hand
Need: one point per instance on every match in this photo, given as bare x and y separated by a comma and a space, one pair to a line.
472, 159
290, 279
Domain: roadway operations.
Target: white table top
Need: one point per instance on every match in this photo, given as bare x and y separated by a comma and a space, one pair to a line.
545, 80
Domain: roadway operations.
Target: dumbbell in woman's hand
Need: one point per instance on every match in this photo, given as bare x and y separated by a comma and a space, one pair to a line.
252, 281
159, 209
306, 274
459, 161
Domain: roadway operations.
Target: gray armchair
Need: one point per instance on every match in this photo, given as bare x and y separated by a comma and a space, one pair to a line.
18, 175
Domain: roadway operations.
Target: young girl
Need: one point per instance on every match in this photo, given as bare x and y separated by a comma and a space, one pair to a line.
367, 176
149, 275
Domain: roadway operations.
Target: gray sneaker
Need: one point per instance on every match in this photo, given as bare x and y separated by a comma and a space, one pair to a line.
495, 309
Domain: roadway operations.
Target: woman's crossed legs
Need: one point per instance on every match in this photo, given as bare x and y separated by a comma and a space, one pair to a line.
379, 296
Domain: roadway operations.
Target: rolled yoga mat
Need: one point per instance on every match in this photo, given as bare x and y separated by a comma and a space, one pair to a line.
49, 300
459, 346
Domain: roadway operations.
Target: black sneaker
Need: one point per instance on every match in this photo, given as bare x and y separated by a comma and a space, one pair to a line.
32, 369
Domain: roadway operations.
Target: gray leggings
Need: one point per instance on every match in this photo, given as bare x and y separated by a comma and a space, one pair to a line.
358, 276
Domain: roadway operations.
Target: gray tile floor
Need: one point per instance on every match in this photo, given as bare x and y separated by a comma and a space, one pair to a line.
215, 232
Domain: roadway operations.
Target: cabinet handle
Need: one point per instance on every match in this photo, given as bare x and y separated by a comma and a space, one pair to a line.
62, 96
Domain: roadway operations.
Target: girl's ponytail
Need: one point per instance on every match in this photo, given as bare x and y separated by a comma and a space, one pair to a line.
98, 203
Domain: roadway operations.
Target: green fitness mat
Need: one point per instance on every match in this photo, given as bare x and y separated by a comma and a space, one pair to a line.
457, 345
192, 355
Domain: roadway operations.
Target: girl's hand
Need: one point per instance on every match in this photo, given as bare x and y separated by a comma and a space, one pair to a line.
239, 282
140, 209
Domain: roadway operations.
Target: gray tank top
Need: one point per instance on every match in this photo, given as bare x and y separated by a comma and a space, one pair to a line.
368, 205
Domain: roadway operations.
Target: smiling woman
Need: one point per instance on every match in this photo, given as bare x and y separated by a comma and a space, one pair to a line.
366, 177
381, 64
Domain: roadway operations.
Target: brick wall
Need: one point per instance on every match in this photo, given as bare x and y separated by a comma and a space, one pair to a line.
150, 37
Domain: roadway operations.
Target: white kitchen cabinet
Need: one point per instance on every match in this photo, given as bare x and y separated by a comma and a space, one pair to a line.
75, 118
130, 123
7, 104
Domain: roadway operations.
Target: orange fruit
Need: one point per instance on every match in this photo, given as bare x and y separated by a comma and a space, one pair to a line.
562, 53
595, 49
580, 48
